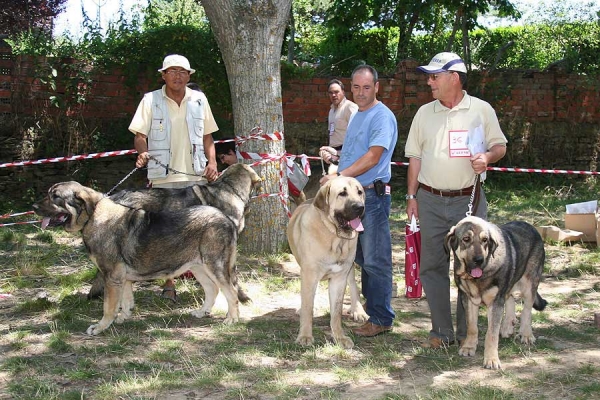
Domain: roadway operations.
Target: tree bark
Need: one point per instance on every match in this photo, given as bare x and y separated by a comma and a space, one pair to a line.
250, 36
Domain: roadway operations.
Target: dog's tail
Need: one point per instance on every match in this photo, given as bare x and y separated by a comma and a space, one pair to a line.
539, 303
97, 289
242, 296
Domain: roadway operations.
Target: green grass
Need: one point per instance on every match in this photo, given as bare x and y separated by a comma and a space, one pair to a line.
163, 351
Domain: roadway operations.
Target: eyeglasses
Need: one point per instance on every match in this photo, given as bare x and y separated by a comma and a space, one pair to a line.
177, 72
434, 77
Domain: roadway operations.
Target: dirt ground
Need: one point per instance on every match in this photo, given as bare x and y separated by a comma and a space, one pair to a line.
570, 357
410, 378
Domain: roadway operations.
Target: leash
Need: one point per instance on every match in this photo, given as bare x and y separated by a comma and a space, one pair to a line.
472, 199
121, 181
169, 168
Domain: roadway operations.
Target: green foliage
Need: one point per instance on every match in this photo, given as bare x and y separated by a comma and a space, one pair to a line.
574, 45
179, 12
382, 33
345, 50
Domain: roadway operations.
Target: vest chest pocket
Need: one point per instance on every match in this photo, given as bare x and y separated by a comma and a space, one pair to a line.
158, 133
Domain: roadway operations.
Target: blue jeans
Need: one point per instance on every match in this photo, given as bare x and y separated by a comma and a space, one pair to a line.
374, 255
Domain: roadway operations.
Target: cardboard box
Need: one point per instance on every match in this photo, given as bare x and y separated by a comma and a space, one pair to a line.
586, 223
558, 235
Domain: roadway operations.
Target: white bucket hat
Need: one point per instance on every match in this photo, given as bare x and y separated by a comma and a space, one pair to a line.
175, 60
444, 62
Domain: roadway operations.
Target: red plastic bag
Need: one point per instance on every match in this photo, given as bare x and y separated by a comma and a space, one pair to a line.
412, 257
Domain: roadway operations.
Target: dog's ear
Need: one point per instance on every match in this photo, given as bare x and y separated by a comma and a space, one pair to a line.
492, 244
84, 201
450, 240
321, 200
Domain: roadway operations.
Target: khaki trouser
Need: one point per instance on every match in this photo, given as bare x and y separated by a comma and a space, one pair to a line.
436, 216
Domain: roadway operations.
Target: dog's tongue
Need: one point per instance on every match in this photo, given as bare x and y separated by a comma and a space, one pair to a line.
357, 225
45, 222
476, 273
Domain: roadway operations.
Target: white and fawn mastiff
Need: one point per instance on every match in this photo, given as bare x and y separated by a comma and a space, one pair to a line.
323, 236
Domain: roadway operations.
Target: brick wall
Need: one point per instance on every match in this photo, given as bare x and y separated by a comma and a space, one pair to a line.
536, 96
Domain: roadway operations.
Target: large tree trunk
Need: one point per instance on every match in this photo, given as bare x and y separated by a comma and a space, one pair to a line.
250, 36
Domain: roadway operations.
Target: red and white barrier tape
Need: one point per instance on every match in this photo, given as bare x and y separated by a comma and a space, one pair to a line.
20, 223
543, 171
256, 134
17, 214
72, 158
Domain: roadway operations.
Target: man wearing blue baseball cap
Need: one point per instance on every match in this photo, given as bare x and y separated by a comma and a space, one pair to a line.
451, 142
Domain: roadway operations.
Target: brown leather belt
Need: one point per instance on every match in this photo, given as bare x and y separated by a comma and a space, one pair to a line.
447, 193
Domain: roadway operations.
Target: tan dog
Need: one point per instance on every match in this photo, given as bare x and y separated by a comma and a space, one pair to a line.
322, 236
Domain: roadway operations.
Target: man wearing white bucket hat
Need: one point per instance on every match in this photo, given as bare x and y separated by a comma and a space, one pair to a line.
174, 125
451, 141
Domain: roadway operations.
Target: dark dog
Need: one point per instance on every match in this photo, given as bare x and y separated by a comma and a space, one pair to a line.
491, 263
131, 245
230, 193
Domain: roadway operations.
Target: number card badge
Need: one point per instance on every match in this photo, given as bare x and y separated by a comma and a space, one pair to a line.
458, 144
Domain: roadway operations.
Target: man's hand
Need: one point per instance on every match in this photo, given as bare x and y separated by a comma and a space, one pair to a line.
142, 159
210, 172
479, 163
327, 178
328, 154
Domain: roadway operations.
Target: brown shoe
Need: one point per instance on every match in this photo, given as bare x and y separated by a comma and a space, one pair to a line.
169, 294
437, 343
370, 329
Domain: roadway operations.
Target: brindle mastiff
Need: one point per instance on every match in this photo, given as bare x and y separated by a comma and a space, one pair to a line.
131, 245
323, 239
230, 193
491, 263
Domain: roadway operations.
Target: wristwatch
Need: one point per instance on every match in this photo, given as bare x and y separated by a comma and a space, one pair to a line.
411, 196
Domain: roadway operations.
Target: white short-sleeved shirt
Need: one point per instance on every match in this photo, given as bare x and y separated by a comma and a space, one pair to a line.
431, 131
338, 121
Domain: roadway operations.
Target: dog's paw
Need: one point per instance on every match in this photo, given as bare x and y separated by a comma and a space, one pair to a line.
305, 340
358, 314
508, 327
527, 338
491, 363
94, 330
467, 350
345, 342
230, 320
507, 331
201, 313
